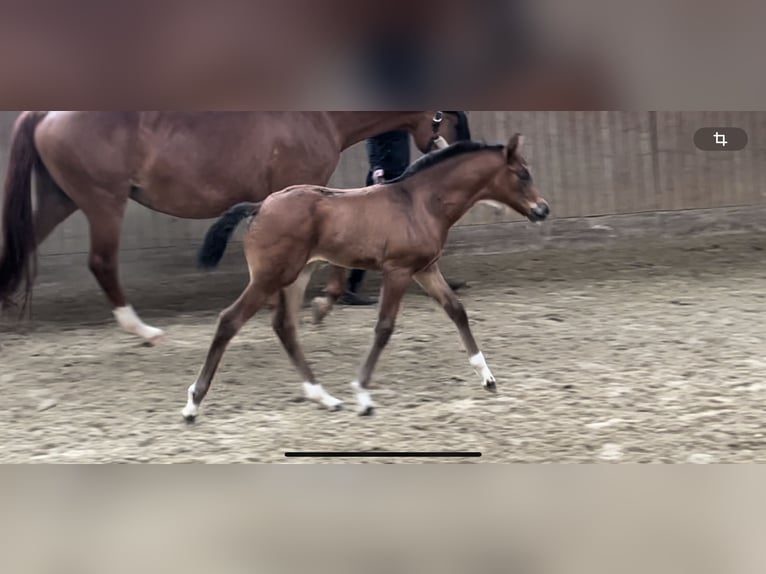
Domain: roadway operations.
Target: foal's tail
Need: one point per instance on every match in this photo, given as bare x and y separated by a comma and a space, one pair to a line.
217, 237
17, 261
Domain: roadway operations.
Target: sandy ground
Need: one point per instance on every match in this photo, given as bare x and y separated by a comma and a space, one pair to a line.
641, 353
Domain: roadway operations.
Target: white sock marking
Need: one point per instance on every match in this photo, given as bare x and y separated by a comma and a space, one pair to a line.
130, 321
363, 397
190, 410
480, 366
317, 393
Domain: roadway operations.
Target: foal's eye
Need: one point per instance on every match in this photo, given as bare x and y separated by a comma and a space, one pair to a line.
524, 175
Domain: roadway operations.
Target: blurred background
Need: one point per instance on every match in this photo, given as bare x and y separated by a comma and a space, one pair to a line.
341, 54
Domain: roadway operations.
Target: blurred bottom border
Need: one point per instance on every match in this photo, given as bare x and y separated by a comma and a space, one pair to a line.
352, 518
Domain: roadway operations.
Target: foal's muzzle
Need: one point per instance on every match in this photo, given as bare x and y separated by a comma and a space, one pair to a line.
539, 212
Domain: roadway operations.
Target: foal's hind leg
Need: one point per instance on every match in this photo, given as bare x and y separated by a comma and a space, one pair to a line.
103, 263
433, 283
284, 322
230, 322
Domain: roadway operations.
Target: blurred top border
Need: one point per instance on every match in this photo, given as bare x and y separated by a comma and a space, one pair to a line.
341, 54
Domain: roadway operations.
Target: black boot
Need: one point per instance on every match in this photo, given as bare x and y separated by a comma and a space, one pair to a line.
351, 296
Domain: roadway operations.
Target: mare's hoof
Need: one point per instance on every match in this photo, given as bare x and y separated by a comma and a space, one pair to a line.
367, 411
190, 419
319, 310
491, 386
335, 408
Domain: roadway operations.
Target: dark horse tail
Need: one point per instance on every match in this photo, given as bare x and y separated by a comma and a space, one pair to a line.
18, 261
217, 237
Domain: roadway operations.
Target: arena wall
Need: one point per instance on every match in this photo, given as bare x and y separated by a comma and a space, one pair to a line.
606, 175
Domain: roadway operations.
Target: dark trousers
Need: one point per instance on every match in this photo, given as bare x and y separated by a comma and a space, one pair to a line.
391, 153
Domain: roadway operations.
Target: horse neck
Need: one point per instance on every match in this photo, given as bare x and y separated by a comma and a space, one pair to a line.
458, 184
353, 127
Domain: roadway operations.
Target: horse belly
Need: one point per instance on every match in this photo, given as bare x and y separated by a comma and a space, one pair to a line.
347, 251
189, 202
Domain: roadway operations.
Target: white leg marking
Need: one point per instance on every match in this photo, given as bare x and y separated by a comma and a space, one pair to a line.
363, 397
190, 410
320, 307
480, 366
318, 394
130, 321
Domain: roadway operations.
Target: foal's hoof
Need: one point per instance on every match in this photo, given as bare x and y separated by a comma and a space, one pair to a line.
336, 407
491, 386
367, 411
189, 413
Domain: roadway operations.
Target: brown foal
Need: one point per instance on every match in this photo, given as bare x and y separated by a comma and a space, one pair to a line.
399, 228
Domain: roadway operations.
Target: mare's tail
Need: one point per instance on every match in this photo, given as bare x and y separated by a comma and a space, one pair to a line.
217, 237
18, 261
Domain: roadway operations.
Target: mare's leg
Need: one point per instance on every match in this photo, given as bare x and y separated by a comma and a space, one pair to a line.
53, 207
394, 286
321, 306
285, 326
105, 225
230, 322
433, 283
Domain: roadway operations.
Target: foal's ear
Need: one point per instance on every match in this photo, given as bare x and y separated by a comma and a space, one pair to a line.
513, 150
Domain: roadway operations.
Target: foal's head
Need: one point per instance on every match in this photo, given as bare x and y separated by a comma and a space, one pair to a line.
513, 185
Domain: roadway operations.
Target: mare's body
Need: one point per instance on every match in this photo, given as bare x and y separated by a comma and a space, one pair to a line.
184, 164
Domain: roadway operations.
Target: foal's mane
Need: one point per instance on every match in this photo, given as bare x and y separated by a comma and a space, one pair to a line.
440, 156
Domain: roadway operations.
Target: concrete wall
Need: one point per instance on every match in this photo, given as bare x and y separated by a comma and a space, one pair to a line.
586, 164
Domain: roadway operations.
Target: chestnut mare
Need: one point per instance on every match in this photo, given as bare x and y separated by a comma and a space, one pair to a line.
191, 165
399, 228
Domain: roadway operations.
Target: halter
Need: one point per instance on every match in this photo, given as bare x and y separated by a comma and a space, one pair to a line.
437, 141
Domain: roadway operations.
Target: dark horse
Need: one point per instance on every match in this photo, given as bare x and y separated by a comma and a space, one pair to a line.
186, 164
398, 228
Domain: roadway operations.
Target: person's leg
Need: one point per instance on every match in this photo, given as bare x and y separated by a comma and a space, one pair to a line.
351, 296
355, 279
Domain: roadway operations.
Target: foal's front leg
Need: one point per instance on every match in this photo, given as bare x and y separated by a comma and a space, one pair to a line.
432, 281
394, 287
